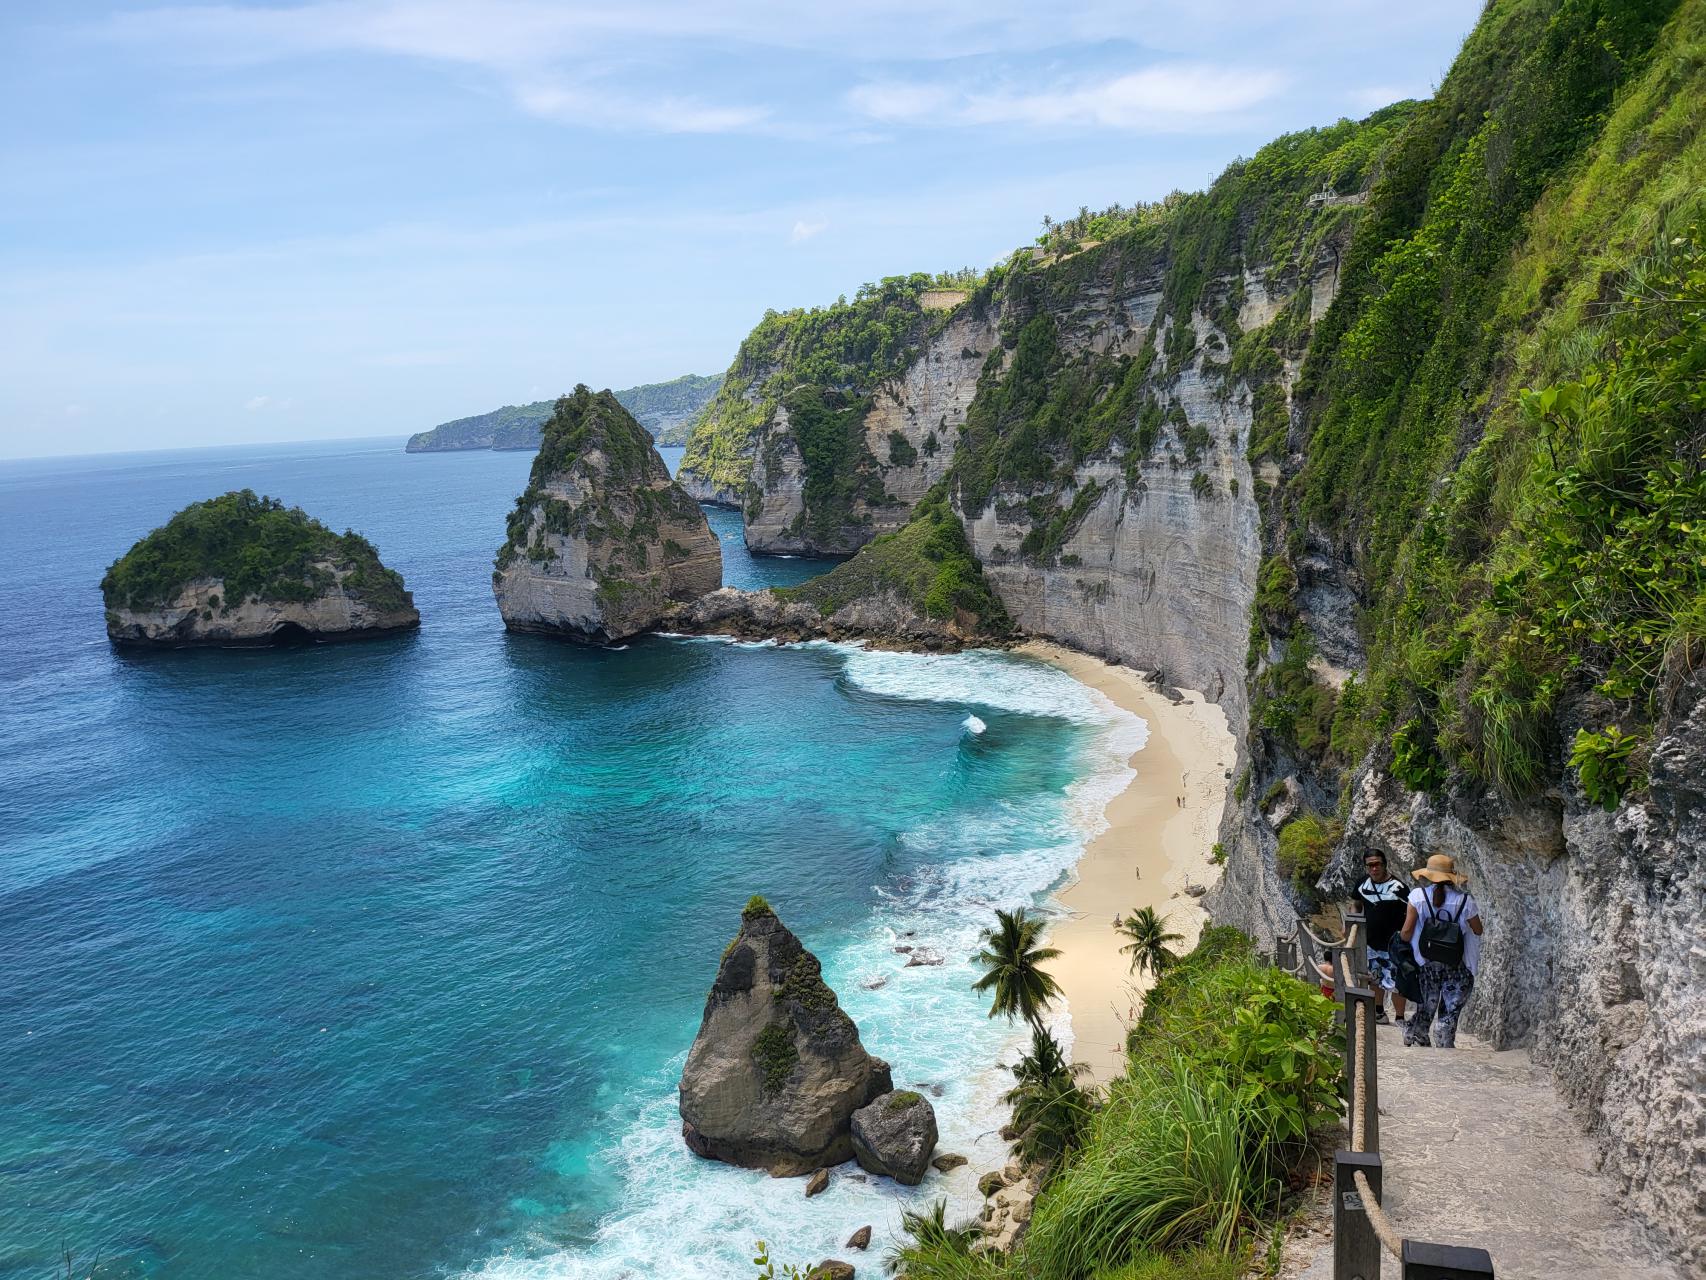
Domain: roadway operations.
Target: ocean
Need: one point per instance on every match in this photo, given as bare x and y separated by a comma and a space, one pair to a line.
381, 959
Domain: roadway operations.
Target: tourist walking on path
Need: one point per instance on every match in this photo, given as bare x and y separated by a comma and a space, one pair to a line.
1443, 928
1383, 907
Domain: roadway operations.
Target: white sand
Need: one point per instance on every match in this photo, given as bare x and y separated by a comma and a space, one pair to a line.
1154, 846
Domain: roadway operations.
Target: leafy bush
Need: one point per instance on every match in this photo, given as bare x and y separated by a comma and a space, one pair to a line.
928, 563
260, 549
1602, 763
1305, 843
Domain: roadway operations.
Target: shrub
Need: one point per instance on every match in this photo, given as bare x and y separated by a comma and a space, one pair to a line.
1169, 1165
1601, 761
1305, 843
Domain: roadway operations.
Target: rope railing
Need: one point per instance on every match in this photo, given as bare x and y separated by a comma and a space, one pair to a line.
1361, 1226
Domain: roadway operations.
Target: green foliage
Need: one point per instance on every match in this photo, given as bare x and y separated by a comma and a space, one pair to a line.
1050, 1111
1148, 938
258, 547
1288, 701
1012, 957
927, 562
775, 1054
1168, 1165
1521, 550
756, 906
933, 1250
901, 1099
901, 452
1305, 844
1602, 763
834, 356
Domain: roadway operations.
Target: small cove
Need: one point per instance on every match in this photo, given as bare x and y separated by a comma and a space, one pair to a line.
379, 959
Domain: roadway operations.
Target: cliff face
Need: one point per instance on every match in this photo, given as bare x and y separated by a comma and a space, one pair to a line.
1453, 647
242, 569
1277, 442
196, 616
602, 541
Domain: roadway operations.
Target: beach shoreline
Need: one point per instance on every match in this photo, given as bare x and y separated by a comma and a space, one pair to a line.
1160, 832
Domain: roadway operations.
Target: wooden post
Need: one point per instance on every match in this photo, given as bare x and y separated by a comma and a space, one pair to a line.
1421, 1261
1285, 954
1359, 949
1353, 997
1356, 1249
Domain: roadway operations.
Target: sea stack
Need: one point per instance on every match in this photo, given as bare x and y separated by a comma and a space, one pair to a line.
777, 1070
245, 570
602, 541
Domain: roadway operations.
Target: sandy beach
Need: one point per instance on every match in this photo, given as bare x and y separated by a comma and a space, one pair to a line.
1161, 831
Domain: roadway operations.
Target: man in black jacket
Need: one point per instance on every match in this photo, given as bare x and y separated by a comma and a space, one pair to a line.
1383, 901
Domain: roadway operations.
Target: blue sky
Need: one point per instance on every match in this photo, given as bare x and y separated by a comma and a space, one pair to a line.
228, 223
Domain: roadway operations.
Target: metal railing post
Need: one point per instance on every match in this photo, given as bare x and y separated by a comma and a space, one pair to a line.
1422, 1261
1356, 1249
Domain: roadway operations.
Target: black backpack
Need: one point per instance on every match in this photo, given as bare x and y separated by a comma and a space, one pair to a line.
1442, 936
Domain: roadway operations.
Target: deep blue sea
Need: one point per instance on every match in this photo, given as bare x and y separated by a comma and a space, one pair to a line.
381, 959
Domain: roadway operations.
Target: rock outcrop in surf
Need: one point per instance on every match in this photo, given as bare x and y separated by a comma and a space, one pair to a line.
777, 1070
245, 570
602, 540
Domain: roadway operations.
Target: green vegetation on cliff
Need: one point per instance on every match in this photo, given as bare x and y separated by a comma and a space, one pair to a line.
928, 564
583, 425
827, 361
1501, 412
663, 408
259, 547
1231, 1072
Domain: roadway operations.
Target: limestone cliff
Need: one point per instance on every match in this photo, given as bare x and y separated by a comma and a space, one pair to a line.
244, 570
1475, 627
1390, 442
602, 540
776, 1071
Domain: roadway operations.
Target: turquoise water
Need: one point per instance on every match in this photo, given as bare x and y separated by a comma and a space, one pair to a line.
381, 959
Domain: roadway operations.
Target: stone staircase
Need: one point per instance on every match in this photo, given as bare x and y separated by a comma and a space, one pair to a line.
1479, 1150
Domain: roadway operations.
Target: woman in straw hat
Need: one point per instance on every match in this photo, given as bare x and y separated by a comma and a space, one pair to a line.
1443, 928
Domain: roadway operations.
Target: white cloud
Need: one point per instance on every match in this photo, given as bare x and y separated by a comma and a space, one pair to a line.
1156, 99
254, 404
804, 230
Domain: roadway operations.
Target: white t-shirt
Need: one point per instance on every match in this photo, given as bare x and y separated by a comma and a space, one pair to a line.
1459, 906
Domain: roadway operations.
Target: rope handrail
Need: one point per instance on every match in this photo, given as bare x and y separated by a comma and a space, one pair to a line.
1359, 1126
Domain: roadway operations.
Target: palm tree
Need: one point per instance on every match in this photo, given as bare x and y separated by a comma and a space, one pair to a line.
1050, 1111
1149, 938
1011, 957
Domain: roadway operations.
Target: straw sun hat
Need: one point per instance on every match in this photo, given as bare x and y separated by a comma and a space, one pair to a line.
1441, 867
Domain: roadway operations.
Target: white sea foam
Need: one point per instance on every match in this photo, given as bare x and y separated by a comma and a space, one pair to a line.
973, 725
679, 1216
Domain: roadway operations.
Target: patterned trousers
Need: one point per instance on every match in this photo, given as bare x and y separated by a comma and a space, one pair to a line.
1445, 990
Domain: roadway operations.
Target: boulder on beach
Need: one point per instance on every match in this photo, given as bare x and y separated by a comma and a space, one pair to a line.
894, 1136
777, 1070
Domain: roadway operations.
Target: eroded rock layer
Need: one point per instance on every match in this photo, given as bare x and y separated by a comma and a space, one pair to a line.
602, 541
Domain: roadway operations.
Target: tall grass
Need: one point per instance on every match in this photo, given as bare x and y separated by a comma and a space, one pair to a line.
1174, 1161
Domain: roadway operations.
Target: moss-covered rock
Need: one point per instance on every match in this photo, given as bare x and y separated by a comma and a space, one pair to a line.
602, 541
777, 1070
242, 569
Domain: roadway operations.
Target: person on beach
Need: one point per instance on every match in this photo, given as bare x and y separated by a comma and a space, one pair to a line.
1383, 907
1443, 929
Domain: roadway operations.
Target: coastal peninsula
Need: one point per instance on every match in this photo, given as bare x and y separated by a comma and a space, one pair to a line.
246, 570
